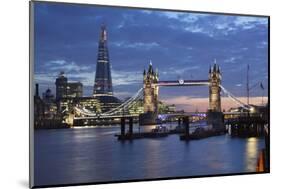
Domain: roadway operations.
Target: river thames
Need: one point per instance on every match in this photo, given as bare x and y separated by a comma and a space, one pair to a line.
84, 155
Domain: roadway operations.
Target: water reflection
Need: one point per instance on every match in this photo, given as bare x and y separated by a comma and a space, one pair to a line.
95, 155
251, 153
147, 128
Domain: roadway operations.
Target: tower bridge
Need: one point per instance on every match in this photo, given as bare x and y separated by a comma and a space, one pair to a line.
151, 84
149, 94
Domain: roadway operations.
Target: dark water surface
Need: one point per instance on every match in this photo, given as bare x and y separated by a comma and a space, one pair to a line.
84, 155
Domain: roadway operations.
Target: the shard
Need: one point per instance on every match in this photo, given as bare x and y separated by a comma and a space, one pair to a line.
103, 81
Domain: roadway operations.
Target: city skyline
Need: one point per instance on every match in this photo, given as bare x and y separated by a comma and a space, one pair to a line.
173, 41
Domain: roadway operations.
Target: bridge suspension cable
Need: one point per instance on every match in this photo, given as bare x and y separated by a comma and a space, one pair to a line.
119, 109
126, 104
236, 100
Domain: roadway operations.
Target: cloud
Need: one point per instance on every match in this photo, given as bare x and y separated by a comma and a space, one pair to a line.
123, 95
179, 43
262, 44
248, 22
86, 78
196, 29
45, 78
62, 65
56, 62
180, 71
137, 45
176, 72
73, 71
126, 77
215, 25
183, 16
233, 59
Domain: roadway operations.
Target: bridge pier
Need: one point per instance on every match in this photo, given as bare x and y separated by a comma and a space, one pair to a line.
186, 126
148, 118
185, 135
130, 126
129, 134
179, 121
216, 120
123, 127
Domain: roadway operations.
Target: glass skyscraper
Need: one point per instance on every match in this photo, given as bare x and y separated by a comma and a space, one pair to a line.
103, 81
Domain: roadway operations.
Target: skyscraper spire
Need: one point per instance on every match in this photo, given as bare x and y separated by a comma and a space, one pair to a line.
103, 36
103, 81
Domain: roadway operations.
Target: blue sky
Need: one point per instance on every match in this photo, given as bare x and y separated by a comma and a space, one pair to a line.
180, 45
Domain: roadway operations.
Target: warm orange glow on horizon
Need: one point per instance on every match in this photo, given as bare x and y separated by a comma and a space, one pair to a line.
201, 104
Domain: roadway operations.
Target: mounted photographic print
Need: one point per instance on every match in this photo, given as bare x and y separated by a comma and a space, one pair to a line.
122, 94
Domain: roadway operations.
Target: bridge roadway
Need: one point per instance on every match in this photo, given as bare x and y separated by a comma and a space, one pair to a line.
104, 117
195, 114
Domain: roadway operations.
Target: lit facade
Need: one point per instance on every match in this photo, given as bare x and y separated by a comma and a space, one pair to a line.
90, 103
150, 93
74, 89
107, 103
61, 86
136, 108
65, 89
38, 106
214, 89
50, 106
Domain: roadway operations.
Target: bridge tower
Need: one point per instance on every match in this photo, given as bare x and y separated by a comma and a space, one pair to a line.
150, 92
214, 89
214, 114
150, 96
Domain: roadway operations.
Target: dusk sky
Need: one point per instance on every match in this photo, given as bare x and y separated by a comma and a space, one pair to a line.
180, 44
